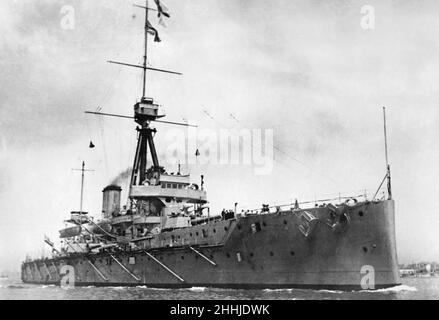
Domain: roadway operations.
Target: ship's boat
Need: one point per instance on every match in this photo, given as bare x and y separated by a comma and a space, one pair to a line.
100, 228
70, 232
167, 236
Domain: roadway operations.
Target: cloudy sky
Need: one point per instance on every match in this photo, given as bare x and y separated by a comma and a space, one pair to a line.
306, 69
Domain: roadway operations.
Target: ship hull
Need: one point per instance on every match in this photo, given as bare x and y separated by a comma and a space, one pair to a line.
288, 249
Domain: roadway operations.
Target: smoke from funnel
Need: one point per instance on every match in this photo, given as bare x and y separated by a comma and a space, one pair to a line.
122, 178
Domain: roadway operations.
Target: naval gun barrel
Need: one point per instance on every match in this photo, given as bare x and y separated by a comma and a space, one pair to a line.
204, 220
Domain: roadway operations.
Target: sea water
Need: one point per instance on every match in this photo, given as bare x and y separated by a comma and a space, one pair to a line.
411, 288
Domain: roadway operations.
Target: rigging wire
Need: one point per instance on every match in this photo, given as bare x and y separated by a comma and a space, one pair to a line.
277, 149
128, 45
101, 131
323, 198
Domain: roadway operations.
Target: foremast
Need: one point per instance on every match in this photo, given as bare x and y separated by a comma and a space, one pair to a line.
145, 112
153, 192
156, 199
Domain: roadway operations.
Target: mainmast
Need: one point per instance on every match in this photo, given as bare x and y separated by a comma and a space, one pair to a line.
82, 186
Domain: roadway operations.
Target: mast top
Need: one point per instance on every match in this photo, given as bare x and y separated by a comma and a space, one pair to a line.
145, 102
146, 110
145, 56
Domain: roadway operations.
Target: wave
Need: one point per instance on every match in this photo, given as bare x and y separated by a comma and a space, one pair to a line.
330, 291
278, 290
160, 289
197, 289
49, 286
194, 289
119, 288
396, 289
13, 286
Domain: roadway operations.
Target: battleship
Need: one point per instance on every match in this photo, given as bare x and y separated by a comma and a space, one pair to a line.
167, 237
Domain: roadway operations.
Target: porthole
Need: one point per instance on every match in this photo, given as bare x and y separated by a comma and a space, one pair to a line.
292, 253
251, 254
239, 227
225, 229
182, 257
271, 253
190, 234
365, 249
228, 255
361, 213
214, 230
264, 224
197, 233
285, 222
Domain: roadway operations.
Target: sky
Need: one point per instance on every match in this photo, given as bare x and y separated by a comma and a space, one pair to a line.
307, 70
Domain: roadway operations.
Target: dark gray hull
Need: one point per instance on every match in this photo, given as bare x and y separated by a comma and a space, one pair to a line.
261, 251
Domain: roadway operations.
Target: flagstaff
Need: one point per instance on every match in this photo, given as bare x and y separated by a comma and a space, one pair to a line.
389, 179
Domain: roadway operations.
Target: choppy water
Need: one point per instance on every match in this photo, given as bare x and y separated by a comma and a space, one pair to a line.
412, 288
